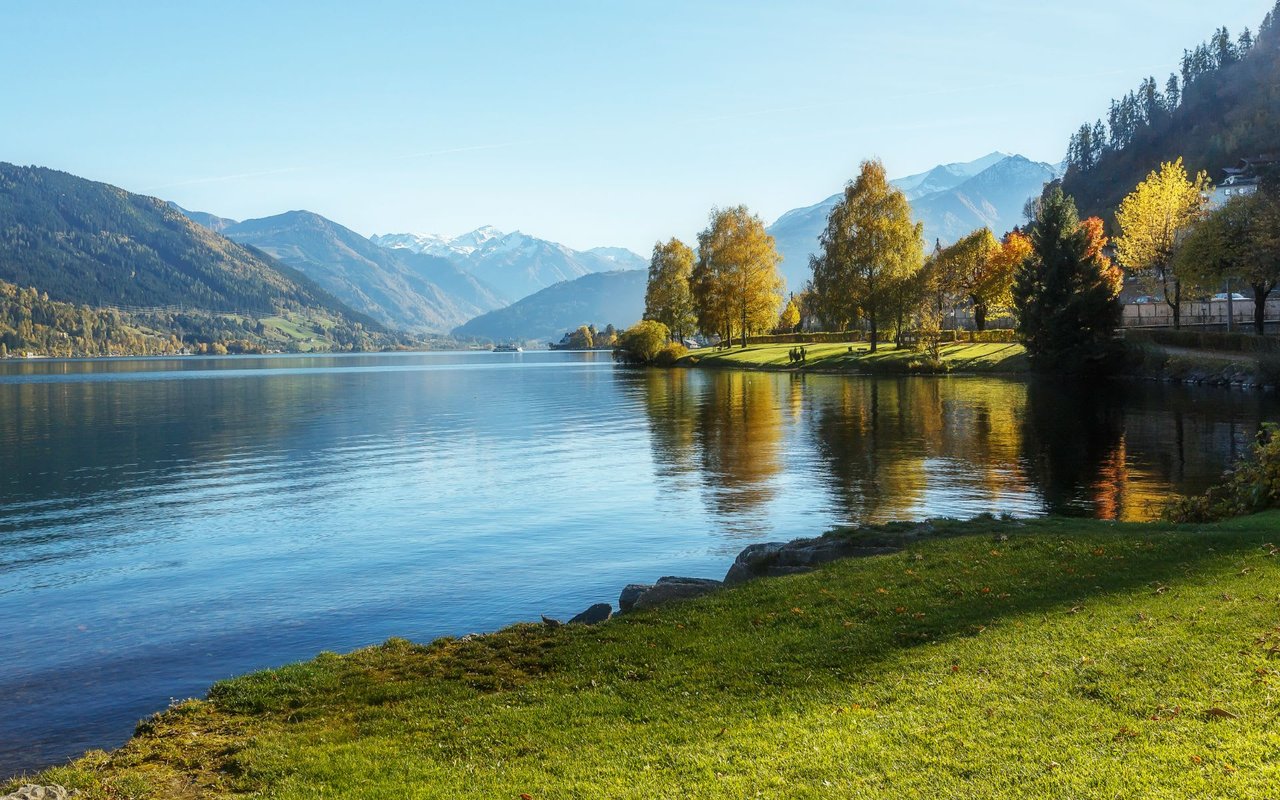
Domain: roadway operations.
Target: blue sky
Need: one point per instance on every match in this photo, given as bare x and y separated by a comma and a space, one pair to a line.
590, 123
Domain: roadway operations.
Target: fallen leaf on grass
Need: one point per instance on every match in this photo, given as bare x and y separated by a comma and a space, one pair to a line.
1219, 713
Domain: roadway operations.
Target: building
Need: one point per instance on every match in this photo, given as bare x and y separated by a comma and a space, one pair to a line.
1242, 179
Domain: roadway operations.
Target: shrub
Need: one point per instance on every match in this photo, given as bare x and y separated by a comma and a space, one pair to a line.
1253, 486
642, 342
670, 354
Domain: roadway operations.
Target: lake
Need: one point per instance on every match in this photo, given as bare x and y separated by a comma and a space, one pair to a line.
165, 523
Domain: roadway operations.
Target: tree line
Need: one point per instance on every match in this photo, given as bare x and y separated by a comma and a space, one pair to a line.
1222, 103
871, 273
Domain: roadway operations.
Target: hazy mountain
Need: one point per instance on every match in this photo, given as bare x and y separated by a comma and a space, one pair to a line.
600, 298
516, 264
951, 200
211, 221
945, 176
399, 288
94, 244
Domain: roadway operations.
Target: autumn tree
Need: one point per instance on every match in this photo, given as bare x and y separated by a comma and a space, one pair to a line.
965, 271
581, 339
869, 249
736, 285
1240, 241
1065, 292
789, 320
1151, 219
668, 298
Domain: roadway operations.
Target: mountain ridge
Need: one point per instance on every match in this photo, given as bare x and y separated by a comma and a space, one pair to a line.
950, 200
403, 290
516, 264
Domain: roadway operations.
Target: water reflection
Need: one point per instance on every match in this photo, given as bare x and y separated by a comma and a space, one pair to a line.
902, 448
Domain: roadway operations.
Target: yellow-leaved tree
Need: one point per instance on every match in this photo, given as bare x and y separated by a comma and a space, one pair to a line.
870, 253
668, 298
790, 317
736, 285
1152, 220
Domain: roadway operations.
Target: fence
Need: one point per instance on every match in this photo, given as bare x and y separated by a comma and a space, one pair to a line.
1207, 313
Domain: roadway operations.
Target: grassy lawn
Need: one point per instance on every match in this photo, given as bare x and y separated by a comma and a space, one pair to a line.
1048, 659
839, 357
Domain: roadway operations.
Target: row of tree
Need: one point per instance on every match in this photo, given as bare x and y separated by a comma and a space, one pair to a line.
731, 289
871, 272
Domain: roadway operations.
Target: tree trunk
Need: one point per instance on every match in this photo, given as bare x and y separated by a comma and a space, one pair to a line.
872, 319
744, 326
1177, 304
1260, 292
980, 316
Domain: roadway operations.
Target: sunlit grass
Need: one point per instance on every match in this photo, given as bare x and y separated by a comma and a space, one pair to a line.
1056, 658
857, 356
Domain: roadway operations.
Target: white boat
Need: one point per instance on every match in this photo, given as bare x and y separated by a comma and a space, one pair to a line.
508, 348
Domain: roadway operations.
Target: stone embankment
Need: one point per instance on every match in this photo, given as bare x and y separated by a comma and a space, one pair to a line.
766, 560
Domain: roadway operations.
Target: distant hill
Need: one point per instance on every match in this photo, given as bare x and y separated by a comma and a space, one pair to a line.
1222, 107
515, 264
94, 244
600, 298
951, 200
399, 288
211, 221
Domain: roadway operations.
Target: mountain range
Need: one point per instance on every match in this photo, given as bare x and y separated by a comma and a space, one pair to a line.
599, 298
516, 264
401, 289
951, 200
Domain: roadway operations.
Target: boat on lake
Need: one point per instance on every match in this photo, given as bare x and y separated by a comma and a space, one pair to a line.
508, 348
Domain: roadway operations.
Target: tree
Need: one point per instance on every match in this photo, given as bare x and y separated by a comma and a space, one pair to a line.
868, 250
668, 298
581, 339
789, 320
736, 285
967, 266
1065, 293
1241, 240
1151, 219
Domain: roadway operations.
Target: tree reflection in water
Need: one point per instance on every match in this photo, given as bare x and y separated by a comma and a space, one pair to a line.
910, 447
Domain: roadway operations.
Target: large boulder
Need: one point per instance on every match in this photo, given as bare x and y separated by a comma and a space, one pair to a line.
593, 616
670, 588
630, 593
773, 559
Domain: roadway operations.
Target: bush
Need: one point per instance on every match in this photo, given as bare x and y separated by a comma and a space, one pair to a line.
643, 342
670, 354
1253, 486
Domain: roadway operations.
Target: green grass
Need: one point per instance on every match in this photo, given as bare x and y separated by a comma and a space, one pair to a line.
1055, 658
888, 358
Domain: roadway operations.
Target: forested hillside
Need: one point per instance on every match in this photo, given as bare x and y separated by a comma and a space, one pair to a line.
85, 242
32, 323
1222, 106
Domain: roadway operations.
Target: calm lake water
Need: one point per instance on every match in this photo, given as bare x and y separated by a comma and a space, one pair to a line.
165, 523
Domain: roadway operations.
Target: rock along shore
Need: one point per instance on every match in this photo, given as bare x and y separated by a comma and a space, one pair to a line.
764, 560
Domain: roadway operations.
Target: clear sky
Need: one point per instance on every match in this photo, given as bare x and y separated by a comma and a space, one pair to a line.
590, 123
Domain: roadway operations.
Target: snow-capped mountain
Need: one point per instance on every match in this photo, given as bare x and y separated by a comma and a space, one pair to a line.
436, 245
950, 199
515, 263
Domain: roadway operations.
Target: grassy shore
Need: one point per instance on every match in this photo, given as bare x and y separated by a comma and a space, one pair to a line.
1046, 659
857, 357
